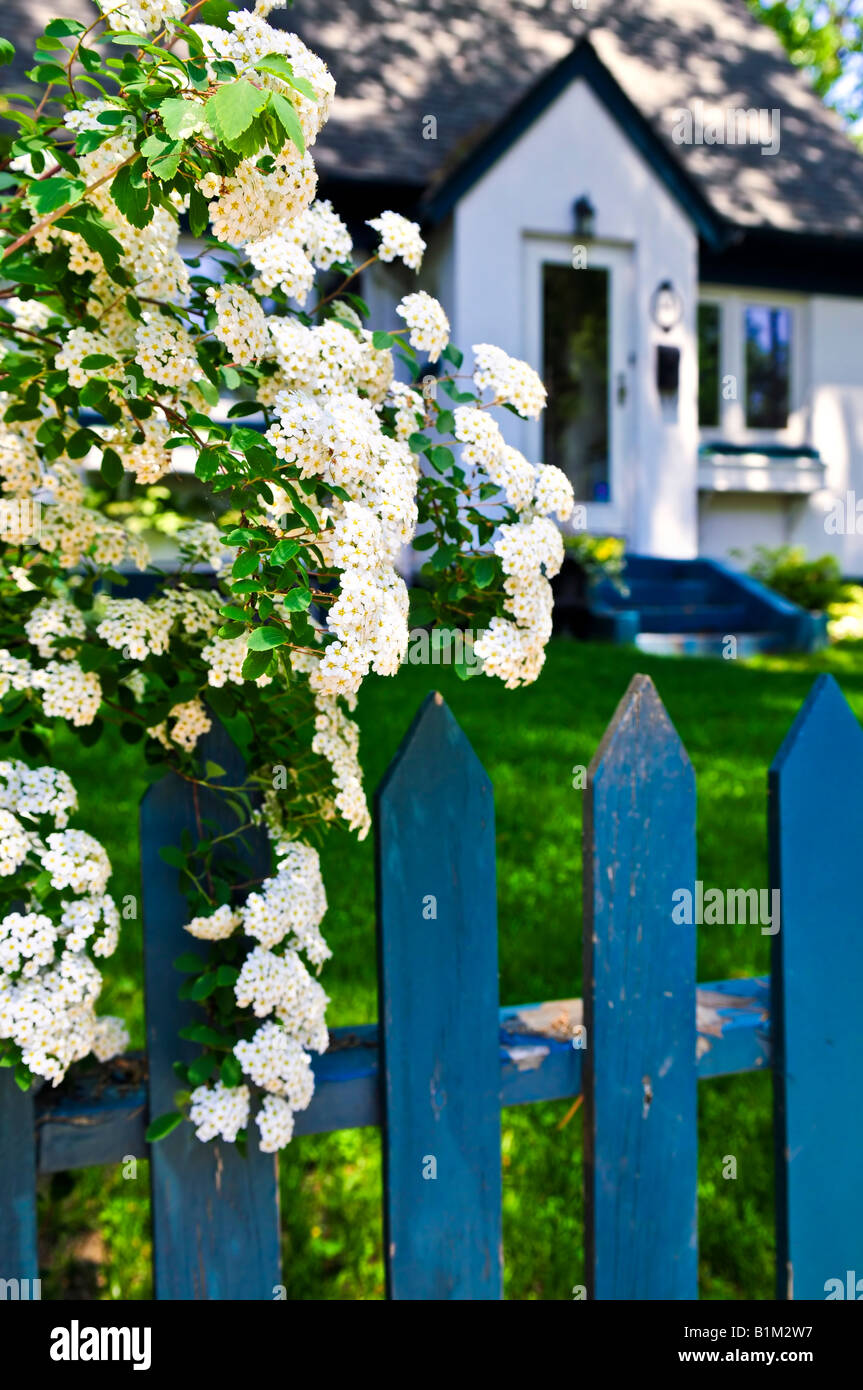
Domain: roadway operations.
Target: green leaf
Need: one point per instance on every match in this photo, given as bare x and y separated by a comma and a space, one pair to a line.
202, 1068
446, 422
181, 118
382, 340
286, 113
232, 108
284, 551
453, 354
297, 600
23, 1077
256, 664
213, 769
50, 194
189, 964
465, 672
162, 155
227, 975
112, 469
90, 226
484, 571
263, 639
230, 1071
207, 464
94, 360
157, 1129
441, 458
203, 988
64, 28
246, 564
209, 391
170, 854
131, 193
199, 213
216, 12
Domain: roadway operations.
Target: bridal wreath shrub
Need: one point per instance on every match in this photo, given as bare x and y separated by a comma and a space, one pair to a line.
116, 350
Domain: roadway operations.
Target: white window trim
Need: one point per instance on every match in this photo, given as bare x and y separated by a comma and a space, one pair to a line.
732, 427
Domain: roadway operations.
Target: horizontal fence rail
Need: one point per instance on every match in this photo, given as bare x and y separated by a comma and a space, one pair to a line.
445, 1057
101, 1116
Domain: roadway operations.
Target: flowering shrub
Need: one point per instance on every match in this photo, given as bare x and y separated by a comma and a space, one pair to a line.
339, 466
57, 918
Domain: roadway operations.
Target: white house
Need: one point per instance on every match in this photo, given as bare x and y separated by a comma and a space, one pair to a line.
599, 182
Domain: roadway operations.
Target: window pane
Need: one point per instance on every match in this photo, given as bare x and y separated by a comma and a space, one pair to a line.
768, 361
708, 364
575, 371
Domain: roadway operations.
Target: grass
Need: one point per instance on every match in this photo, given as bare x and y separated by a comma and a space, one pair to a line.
732, 717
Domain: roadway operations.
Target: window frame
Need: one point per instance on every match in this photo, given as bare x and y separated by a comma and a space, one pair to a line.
732, 305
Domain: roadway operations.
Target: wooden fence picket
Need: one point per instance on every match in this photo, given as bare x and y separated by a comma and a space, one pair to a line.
18, 1252
214, 1213
816, 834
437, 943
639, 996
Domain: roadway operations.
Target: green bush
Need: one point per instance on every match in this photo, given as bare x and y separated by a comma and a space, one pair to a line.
813, 584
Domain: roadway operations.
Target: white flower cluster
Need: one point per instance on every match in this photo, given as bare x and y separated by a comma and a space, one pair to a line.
427, 321
400, 239
283, 918
135, 628
241, 324
286, 259
48, 982
144, 16
50, 619
511, 381
530, 550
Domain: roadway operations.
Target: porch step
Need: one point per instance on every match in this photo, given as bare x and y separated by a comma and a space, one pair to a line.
707, 643
696, 617
659, 593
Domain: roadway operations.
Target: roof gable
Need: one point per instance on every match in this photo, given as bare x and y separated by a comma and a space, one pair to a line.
581, 62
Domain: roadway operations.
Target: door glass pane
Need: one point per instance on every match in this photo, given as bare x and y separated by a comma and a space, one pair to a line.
768, 367
575, 370
708, 364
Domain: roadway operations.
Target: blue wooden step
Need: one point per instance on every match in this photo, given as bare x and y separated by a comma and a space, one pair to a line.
701, 617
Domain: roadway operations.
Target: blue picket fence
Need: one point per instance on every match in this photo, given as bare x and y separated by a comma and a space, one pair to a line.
445, 1057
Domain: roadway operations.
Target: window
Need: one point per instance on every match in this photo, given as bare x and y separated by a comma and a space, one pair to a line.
709, 350
768, 366
575, 317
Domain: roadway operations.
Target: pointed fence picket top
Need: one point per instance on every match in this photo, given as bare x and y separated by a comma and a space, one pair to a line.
214, 1213
438, 974
18, 1249
816, 835
639, 997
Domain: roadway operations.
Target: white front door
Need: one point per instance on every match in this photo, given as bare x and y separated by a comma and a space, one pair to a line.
580, 335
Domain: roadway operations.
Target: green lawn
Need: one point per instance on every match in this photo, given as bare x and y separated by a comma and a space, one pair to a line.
732, 717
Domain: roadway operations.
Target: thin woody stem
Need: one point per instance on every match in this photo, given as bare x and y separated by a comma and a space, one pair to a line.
60, 212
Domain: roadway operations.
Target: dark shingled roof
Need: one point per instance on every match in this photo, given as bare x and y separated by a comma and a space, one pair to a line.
469, 62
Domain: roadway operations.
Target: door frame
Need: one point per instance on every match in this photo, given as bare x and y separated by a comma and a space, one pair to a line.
612, 517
